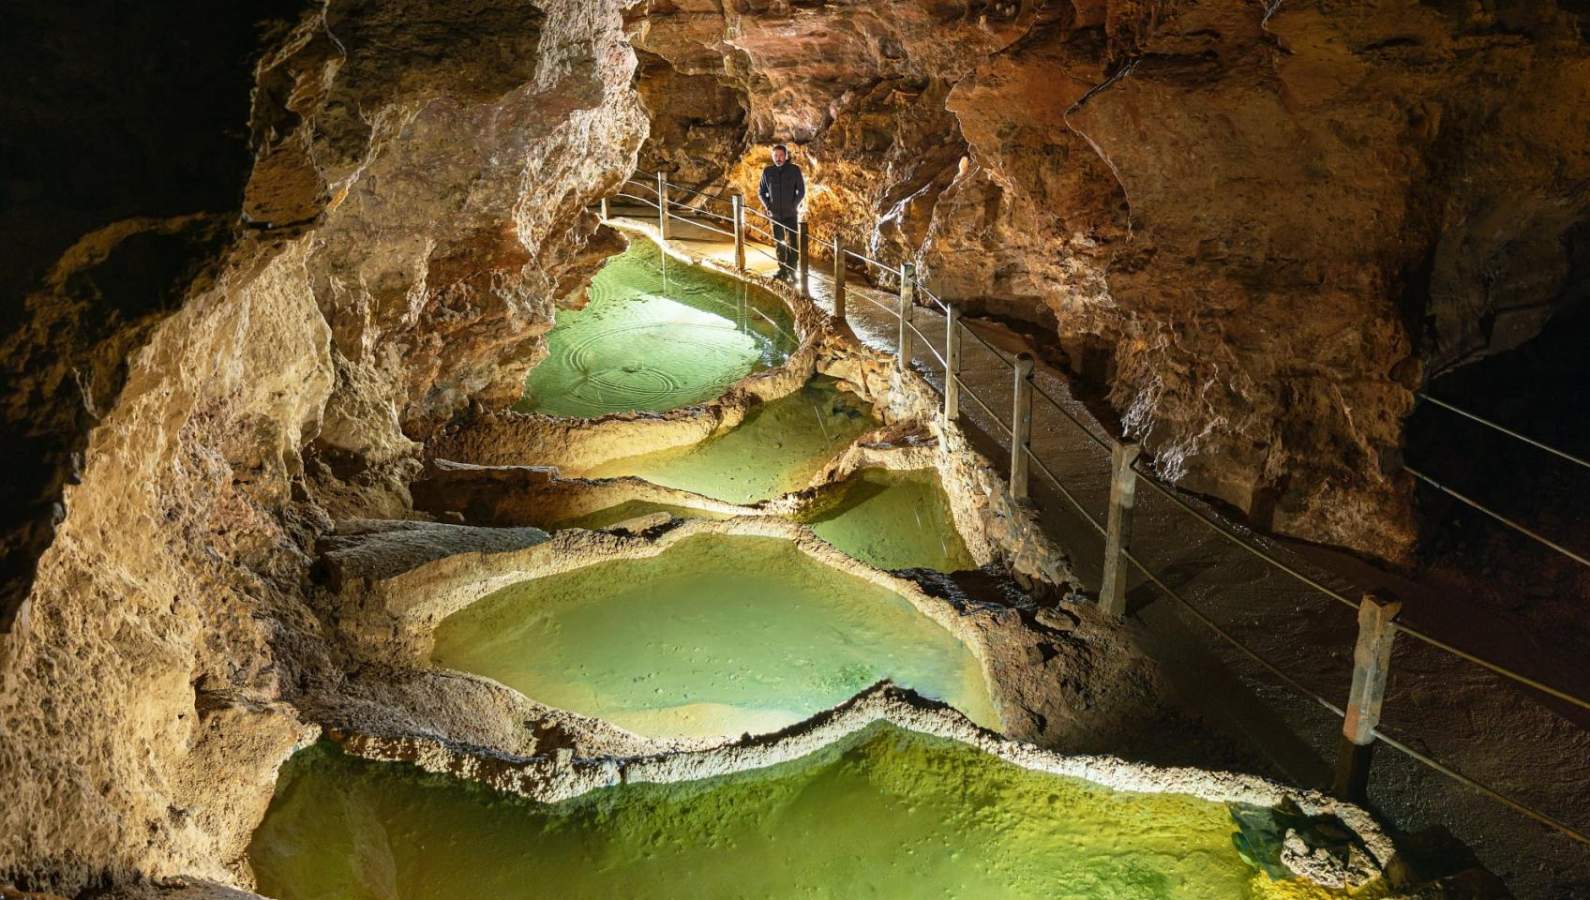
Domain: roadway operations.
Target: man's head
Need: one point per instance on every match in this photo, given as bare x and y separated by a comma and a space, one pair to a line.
780, 154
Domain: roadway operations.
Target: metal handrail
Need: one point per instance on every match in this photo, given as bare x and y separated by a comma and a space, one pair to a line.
1258, 552
720, 198
1067, 413
943, 307
1338, 711
650, 203
1173, 497
1522, 529
984, 407
1044, 469
1504, 430
953, 382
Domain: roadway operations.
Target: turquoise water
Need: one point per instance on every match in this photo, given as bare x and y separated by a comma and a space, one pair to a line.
656, 334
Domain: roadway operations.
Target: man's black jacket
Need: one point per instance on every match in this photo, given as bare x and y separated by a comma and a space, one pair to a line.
782, 189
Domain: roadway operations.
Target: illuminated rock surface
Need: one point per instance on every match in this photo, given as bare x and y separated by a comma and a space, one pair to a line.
779, 448
715, 637
656, 334
884, 813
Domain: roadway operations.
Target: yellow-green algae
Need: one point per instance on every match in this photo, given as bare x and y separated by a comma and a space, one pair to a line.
656, 334
779, 448
885, 813
895, 520
716, 636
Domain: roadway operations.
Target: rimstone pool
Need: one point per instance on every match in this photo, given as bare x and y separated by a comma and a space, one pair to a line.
883, 813
743, 656
656, 334
715, 637
779, 448
895, 520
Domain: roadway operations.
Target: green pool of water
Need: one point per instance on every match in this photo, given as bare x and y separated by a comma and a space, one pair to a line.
656, 334
885, 813
629, 509
779, 448
717, 635
895, 520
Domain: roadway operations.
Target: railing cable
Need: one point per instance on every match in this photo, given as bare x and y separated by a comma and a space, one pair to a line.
1505, 430
1576, 557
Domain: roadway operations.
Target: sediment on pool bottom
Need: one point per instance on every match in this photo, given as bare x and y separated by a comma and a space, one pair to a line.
884, 812
717, 636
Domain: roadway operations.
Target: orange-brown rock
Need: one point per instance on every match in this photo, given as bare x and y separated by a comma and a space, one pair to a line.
205, 384
1255, 227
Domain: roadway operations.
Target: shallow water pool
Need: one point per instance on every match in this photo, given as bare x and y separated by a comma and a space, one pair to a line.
895, 520
885, 813
656, 334
779, 448
717, 636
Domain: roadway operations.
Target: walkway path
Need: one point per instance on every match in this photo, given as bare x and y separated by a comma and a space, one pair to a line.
1478, 723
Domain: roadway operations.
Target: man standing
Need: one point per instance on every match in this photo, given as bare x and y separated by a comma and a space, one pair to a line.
783, 188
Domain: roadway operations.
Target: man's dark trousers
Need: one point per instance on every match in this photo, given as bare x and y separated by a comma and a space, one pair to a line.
785, 232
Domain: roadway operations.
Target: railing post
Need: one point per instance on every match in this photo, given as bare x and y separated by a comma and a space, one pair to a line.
952, 362
739, 233
1021, 426
604, 209
907, 300
1118, 530
1371, 664
803, 248
662, 206
839, 278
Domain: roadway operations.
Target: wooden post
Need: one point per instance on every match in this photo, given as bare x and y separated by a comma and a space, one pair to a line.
839, 278
1118, 530
604, 209
662, 206
907, 300
1021, 426
739, 233
803, 248
952, 362
1371, 665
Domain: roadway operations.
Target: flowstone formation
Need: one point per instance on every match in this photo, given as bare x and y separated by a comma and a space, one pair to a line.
1253, 227
259, 400
682, 630
881, 812
206, 373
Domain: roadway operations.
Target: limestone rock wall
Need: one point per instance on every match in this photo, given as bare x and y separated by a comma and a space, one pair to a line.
215, 380
1254, 227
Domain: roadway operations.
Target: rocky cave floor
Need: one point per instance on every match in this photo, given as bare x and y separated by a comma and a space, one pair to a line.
1063, 677
271, 266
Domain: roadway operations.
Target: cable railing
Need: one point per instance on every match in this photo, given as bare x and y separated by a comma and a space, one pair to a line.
1563, 454
1359, 728
1525, 530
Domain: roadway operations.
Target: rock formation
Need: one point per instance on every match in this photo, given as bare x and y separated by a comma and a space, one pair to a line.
202, 387
1256, 227
258, 252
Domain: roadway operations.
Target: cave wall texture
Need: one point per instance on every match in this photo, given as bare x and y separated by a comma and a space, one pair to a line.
1256, 228
256, 252
273, 264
